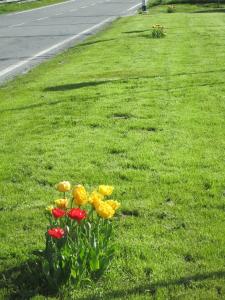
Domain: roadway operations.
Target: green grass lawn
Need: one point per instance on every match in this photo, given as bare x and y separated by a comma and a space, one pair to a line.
200, 3
13, 7
145, 115
187, 8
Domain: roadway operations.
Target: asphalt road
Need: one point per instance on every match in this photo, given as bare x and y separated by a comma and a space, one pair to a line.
29, 37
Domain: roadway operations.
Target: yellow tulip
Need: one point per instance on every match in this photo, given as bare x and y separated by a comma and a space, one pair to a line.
105, 190
104, 210
49, 208
80, 195
113, 203
95, 198
61, 203
63, 186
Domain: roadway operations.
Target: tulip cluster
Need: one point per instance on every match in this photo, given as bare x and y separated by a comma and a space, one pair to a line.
158, 31
78, 238
171, 8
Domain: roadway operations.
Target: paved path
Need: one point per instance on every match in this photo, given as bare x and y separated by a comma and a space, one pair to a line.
29, 37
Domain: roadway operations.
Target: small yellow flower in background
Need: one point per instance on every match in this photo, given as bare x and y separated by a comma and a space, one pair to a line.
95, 198
104, 210
49, 208
113, 203
63, 186
61, 203
105, 190
80, 195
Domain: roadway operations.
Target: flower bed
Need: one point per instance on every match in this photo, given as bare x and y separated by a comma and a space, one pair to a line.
79, 245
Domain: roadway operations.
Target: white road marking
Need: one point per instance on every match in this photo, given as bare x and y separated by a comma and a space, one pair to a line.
59, 14
58, 45
133, 7
83, 6
73, 9
47, 6
42, 19
16, 25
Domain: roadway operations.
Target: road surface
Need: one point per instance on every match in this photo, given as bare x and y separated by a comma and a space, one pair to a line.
29, 37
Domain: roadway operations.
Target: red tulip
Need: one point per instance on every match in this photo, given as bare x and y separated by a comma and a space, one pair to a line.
58, 213
56, 233
77, 214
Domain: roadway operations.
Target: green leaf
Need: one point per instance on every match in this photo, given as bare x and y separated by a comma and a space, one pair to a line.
45, 268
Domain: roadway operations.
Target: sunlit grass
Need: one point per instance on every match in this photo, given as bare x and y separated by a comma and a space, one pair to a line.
144, 115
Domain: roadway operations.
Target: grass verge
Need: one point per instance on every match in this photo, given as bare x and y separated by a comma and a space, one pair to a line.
146, 115
13, 7
187, 8
201, 3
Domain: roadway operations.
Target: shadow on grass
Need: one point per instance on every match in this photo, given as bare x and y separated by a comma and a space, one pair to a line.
36, 105
95, 42
136, 31
152, 288
26, 281
60, 88
79, 85
74, 86
216, 10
